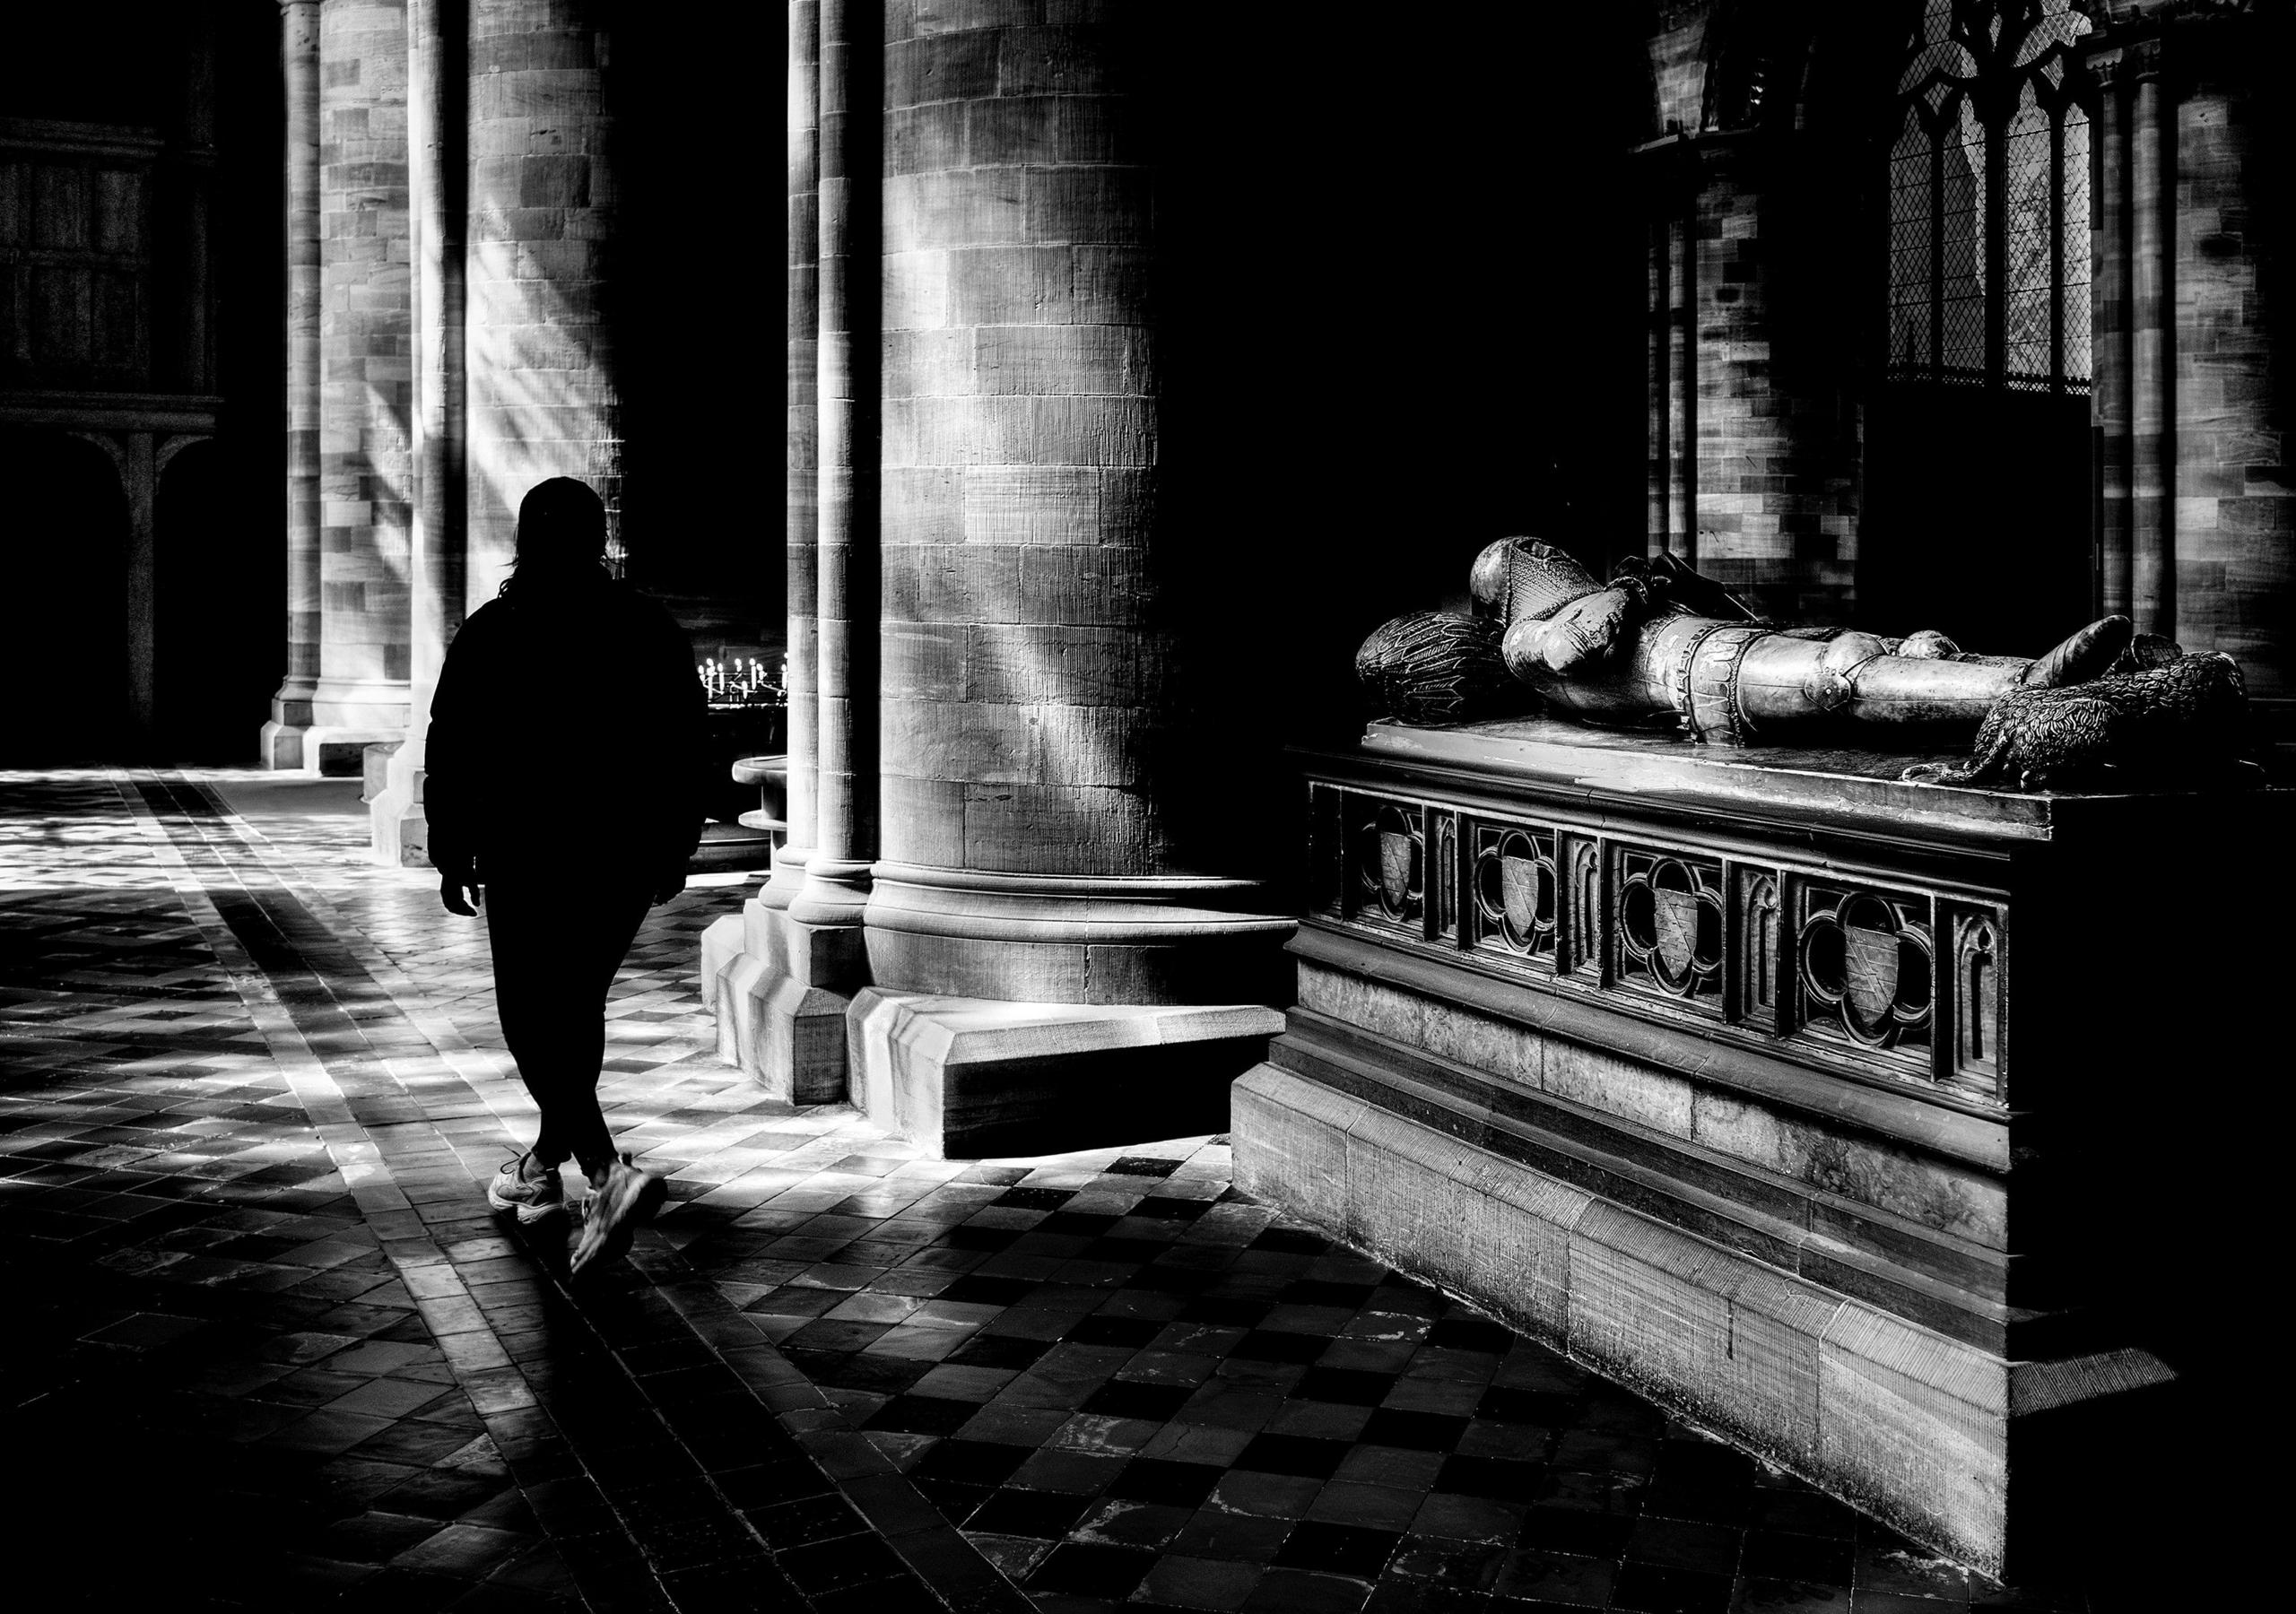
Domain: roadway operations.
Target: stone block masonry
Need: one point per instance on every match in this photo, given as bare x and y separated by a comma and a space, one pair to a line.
545, 398
366, 388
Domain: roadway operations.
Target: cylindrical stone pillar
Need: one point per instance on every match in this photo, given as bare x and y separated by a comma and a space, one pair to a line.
803, 506
1659, 400
290, 707
434, 149
2153, 571
846, 414
436, 86
366, 438
541, 386
1682, 397
1028, 678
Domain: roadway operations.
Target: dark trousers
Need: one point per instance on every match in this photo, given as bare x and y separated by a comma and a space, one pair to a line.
557, 939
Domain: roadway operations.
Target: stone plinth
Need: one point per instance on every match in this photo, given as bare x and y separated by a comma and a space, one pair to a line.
780, 988
971, 1077
1706, 1067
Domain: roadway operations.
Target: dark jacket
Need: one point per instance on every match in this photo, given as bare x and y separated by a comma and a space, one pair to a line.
567, 730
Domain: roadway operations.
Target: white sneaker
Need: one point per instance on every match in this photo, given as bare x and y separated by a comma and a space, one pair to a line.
611, 1216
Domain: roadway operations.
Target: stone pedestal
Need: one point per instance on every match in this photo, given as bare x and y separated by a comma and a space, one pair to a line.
780, 989
1706, 1067
971, 1077
399, 827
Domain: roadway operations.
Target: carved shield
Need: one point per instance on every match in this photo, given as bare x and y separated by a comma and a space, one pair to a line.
1870, 968
1397, 855
1519, 892
1677, 912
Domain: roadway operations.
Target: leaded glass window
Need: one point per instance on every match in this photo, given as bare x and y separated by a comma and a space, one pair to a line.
1988, 184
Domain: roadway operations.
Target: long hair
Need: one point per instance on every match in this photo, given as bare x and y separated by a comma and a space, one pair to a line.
562, 538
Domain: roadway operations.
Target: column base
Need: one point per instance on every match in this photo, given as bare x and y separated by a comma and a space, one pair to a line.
399, 830
964, 1078
780, 989
280, 747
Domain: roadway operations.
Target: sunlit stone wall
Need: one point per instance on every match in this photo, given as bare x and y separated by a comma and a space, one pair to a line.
543, 400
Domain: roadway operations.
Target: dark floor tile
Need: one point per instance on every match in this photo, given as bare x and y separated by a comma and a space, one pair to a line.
1291, 1241
1775, 1555
1463, 1565
1088, 1569
1412, 1431
970, 1461
1339, 1548
1649, 1589
849, 1560
1346, 1387
1075, 1224
1756, 1595
1576, 1531
922, 1415
1278, 1496
788, 1524
1685, 1544
898, 1594
1292, 1454
1471, 1334
1555, 1579
1115, 1330
1142, 1166
1156, 1208
1546, 1407
1049, 1514
1270, 1345
998, 1350
1034, 1199
1493, 1477
1226, 1312
1156, 1479
373, 1538
1126, 1397
1306, 1592
955, 1500
974, 1288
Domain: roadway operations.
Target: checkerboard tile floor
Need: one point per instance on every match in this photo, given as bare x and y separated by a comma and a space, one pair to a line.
274, 1352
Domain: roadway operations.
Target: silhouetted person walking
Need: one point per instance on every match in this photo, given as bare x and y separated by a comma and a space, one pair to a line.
562, 778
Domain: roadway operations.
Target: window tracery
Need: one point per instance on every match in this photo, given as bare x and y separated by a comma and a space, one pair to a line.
1988, 188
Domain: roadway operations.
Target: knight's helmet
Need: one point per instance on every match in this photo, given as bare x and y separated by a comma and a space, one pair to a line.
1522, 579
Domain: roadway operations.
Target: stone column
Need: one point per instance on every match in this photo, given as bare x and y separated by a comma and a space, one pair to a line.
540, 378
435, 172
2152, 569
802, 239
781, 983
139, 479
2190, 395
365, 442
845, 415
290, 706
1046, 969
2112, 332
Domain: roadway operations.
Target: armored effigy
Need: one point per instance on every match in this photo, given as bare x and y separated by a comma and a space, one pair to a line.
1661, 644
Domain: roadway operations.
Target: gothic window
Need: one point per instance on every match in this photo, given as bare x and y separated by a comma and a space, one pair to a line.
1988, 187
